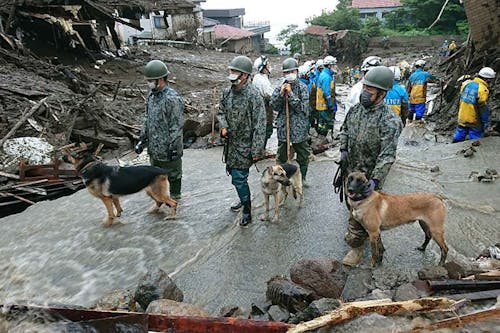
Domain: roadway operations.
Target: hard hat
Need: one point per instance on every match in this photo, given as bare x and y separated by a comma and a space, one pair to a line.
297, 56
487, 73
319, 63
370, 61
379, 77
260, 63
303, 70
241, 64
329, 60
420, 63
396, 71
290, 64
155, 69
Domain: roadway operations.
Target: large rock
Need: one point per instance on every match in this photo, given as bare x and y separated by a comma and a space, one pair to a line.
406, 292
325, 277
283, 292
118, 299
277, 313
315, 309
173, 308
357, 284
433, 273
154, 285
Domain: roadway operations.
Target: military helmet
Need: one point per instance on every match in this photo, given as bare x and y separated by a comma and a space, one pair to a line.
290, 64
380, 77
241, 64
155, 69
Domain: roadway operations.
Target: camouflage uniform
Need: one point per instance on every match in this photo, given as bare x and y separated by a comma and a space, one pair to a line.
370, 137
298, 102
162, 133
242, 113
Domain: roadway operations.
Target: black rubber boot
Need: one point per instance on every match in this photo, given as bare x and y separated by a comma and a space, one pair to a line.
237, 206
175, 188
246, 219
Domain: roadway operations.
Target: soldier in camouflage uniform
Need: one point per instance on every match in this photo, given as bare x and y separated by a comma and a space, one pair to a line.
163, 124
242, 122
368, 141
298, 103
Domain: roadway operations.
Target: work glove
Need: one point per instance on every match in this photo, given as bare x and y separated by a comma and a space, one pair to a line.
224, 133
285, 87
138, 148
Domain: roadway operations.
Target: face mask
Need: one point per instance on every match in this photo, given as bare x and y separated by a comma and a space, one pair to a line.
291, 77
153, 85
235, 79
365, 98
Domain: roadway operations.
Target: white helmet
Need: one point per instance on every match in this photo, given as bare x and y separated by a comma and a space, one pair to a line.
319, 63
396, 71
371, 61
260, 63
487, 73
329, 60
420, 63
303, 70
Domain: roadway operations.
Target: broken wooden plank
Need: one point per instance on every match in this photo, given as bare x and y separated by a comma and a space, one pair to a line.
9, 175
25, 93
8, 194
476, 296
21, 121
490, 276
463, 284
460, 321
352, 310
82, 136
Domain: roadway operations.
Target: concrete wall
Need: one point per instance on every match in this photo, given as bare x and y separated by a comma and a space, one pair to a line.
484, 22
414, 41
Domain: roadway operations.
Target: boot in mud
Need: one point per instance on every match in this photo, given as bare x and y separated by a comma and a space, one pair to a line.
246, 219
237, 206
353, 257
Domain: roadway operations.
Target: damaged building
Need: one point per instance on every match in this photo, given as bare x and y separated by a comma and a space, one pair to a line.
54, 26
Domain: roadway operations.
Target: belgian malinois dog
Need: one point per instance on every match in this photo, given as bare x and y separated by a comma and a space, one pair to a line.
377, 211
108, 183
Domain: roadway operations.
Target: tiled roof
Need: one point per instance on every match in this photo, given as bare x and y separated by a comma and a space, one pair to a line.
223, 31
375, 3
317, 30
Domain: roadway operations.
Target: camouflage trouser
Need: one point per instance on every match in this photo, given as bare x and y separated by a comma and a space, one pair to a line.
269, 119
356, 234
174, 172
303, 150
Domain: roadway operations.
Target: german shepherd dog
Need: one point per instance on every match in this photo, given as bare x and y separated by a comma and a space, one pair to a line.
108, 183
280, 176
378, 211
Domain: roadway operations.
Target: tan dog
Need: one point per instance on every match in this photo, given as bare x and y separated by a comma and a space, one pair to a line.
108, 183
378, 211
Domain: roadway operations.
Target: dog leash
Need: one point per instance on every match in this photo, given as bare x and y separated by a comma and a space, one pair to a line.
338, 180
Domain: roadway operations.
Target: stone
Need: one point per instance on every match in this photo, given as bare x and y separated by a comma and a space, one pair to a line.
406, 292
357, 284
230, 311
173, 308
380, 294
117, 300
277, 313
435, 168
375, 323
325, 277
156, 284
455, 270
260, 307
433, 273
281, 291
315, 309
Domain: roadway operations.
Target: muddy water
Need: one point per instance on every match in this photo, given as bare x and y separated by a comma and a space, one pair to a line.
59, 251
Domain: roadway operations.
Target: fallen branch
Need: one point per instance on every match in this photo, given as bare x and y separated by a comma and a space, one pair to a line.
352, 310
439, 15
9, 175
8, 194
460, 321
21, 121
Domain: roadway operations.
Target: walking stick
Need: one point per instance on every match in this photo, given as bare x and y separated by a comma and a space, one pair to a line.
214, 97
287, 115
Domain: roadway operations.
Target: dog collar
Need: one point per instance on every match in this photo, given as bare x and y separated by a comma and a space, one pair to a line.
362, 197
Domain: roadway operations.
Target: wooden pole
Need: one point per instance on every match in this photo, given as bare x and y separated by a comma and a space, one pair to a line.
460, 321
352, 310
287, 115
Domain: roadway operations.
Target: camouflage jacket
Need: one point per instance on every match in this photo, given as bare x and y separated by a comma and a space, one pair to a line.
163, 123
242, 113
298, 104
370, 137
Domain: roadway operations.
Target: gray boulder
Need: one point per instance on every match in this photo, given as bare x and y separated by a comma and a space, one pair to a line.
173, 308
154, 285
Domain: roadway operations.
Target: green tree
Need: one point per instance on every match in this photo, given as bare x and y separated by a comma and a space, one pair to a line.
372, 27
343, 17
292, 38
424, 12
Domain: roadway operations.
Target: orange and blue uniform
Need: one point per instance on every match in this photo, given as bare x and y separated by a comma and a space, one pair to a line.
473, 113
325, 100
396, 97
417, 89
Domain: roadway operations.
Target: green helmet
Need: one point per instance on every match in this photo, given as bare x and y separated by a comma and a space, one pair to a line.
241, 64
380, 77
290, 64
155, 69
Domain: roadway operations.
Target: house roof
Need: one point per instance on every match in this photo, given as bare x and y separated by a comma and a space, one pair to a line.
208, 22
375, 3
317, 30
223, 31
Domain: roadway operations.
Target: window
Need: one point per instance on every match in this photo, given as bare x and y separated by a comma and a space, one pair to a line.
159, 22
